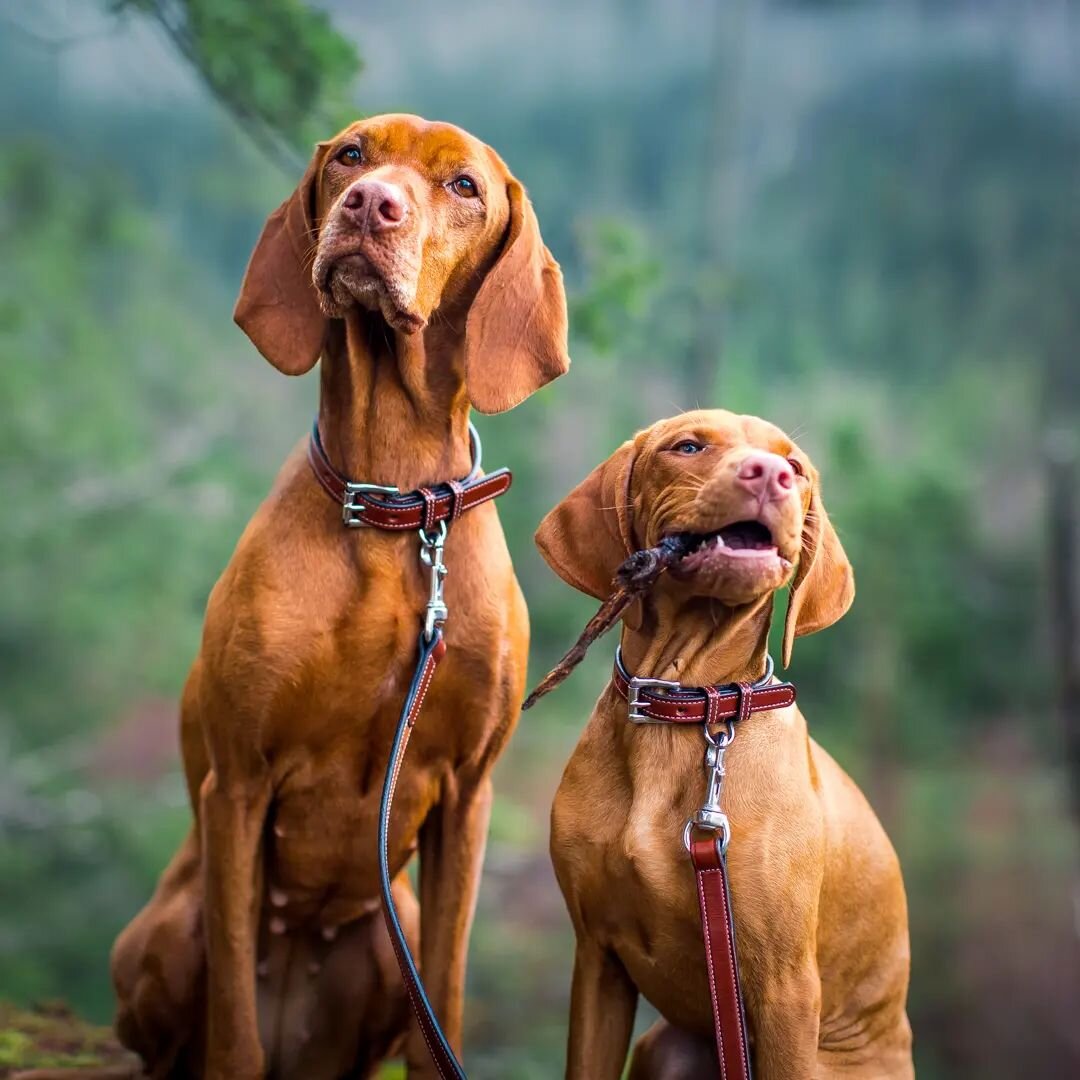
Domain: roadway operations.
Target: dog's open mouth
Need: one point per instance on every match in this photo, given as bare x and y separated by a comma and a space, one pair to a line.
741, 536
745, 545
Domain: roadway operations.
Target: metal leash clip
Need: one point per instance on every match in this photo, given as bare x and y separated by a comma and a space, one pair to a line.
711, 817
431, 554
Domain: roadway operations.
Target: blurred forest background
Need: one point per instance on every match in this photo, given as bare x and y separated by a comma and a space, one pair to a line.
860, 220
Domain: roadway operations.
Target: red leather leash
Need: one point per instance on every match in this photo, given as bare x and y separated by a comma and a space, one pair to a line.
718, 930
662, 701
429, 510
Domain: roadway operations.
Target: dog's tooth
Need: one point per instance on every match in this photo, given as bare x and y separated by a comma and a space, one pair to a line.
278, 897
329, 933
314, 968
277, 925
279, 830
262, 968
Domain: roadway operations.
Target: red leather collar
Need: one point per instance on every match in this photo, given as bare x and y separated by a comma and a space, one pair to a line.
382, 507
658, 701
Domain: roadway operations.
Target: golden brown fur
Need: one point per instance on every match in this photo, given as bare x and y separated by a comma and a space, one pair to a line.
818, 898
263, 951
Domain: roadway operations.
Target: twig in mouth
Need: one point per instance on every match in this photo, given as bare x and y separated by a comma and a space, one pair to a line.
635, 576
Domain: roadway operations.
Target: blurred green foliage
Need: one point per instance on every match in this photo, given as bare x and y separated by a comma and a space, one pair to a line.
278, 66
895, 285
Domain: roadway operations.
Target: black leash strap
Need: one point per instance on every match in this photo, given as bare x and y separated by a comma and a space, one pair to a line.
431, 652
433, 521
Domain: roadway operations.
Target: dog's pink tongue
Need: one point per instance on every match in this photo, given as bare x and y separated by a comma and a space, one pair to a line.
746, 535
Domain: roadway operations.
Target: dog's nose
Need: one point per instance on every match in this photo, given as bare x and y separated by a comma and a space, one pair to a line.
766, 476
376, 205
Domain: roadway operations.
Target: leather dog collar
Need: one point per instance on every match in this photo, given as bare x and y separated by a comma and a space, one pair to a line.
380, 506
662, 701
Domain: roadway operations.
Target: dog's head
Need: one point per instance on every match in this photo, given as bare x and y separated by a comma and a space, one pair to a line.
406, 218
746, 496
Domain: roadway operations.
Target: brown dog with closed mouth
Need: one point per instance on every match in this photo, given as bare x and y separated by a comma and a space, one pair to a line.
819, 908
408, 259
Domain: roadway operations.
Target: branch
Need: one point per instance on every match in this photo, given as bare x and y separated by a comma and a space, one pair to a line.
269, 141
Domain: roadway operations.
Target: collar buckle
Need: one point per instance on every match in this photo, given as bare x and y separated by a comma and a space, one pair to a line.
353, 509
636, 703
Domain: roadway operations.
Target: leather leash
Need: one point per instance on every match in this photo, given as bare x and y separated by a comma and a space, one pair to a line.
429, 510
449, 1068
662, 701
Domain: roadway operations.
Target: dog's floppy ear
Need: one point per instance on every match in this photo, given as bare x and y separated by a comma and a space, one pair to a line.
277, 307
515, 334
824, 585
589, 534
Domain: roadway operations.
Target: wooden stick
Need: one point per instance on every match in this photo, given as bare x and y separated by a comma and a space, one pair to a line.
633, 578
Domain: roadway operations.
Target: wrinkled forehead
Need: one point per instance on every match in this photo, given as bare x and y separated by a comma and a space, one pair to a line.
430, 146
720, 428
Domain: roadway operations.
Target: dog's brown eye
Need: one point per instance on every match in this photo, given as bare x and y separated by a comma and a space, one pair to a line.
688, 446
464, 187
350, 156
796, 466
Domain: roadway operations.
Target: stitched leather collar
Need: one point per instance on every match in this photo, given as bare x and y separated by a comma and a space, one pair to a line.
661, 701
382, 507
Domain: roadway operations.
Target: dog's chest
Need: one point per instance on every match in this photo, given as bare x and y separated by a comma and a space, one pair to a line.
626, 877
322, 825
322, 668
323, 819
617, 843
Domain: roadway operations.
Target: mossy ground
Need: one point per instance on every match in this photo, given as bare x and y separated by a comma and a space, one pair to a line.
50, 1034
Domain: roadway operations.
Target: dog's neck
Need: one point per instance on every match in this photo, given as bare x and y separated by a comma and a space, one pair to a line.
392, 406
697, 641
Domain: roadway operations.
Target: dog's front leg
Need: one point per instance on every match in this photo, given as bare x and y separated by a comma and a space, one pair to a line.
452, 842
603, 1000
786, 1022
233, 814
